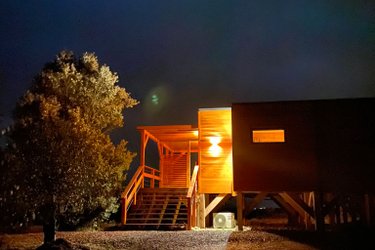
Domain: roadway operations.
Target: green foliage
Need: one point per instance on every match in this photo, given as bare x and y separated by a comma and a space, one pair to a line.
62, 150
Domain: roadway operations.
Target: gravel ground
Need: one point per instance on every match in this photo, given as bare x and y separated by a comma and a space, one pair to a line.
184, 240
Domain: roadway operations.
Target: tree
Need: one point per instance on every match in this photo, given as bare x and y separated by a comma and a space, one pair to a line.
66, 165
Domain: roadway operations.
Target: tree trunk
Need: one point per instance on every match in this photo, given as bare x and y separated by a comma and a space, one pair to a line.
49, 223
49, 231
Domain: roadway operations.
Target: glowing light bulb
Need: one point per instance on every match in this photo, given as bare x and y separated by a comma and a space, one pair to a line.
215, 150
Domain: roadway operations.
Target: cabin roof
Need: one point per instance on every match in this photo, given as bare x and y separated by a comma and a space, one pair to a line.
176, 138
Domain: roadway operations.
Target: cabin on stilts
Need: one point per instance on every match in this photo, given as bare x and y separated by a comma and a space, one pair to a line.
313, 158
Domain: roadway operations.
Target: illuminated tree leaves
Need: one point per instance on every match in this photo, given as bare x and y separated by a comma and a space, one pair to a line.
62, 144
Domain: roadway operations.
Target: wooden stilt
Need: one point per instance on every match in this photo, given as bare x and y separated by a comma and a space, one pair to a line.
367, 210
319, 217
201, 208
240, 205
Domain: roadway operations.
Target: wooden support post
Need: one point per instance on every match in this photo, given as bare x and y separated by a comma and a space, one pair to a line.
207, 218
240, 205
254, 202
308, 198
143, 179
344, 214
188, 165
319, 217
201, 208
124, 212
330, 202
191, 215
367, 209
152, 180
144, 140
161, 151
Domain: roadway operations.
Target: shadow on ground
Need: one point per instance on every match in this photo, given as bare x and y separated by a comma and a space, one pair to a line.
347, 237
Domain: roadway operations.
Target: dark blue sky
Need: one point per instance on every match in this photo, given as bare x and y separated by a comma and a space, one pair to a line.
184, 55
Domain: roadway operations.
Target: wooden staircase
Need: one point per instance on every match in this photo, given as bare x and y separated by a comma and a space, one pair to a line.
159, 208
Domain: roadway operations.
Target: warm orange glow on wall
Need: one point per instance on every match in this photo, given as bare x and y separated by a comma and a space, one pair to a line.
215, 151
267, 136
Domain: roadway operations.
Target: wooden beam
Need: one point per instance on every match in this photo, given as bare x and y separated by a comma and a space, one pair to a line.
282, 203
172, 137
299, 209
166, 127
215, 202
330, 201
292, 214
155, 139
303, 204
193, 181
255, 201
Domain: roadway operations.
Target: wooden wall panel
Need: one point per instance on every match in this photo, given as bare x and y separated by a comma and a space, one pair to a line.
329, 146
279, 166
215, 151
346, 145
175, 171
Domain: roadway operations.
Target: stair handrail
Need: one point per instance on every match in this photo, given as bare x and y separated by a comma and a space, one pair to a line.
129, 196
191, 197
193, 181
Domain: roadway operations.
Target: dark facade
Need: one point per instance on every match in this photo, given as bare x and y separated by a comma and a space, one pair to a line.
328, 145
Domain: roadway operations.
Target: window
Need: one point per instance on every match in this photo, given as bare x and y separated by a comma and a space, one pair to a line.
267, 136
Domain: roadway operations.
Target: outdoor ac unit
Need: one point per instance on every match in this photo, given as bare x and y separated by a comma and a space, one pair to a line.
224, 220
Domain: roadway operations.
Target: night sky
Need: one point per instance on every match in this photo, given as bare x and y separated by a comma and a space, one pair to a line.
178, 56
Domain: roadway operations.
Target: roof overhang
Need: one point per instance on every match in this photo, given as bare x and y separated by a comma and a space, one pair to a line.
177, 138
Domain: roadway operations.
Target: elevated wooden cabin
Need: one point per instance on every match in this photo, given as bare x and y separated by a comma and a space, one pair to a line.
313, 158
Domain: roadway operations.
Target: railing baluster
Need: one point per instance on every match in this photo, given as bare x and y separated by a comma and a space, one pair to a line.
131, 190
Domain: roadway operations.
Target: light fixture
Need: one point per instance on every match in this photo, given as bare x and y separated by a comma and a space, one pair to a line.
215, 150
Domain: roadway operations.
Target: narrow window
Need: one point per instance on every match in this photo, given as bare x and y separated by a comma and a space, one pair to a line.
266, 136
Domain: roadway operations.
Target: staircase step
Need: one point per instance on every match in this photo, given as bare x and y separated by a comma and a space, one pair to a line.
157, 219
155, 211
165, 214
155, 226
161, 201
182, 191
161, 198
161, 204
158, 207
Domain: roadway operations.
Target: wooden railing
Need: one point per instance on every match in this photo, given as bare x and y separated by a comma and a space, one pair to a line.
192, 196
129, 196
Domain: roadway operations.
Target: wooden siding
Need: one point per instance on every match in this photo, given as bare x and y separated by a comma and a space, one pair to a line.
175, 172
329, 146
215, 174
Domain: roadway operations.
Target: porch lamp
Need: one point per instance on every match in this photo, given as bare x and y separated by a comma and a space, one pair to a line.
215, 149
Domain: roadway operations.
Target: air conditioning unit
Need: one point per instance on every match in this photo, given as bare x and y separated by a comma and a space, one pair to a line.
224, 220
